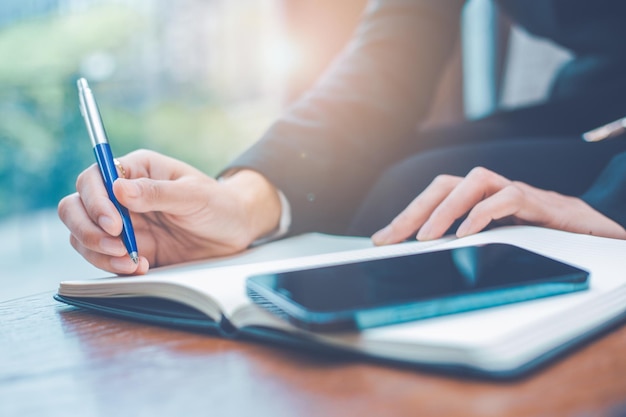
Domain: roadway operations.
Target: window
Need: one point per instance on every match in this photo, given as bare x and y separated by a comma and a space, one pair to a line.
195, 79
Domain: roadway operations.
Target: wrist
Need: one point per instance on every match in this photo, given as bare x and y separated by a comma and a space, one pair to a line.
260, 201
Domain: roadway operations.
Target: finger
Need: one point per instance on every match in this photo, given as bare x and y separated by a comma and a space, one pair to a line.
72, 213
417, 212
476, 186
179, 197
141, 163
505, 203
96, 202
122, 265
144, 163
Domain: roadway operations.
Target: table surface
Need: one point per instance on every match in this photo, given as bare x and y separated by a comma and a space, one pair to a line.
58, 360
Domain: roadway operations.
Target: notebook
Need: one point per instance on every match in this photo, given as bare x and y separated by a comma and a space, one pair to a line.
501, 342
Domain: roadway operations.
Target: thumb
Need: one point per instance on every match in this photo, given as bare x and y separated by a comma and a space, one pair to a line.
144, 195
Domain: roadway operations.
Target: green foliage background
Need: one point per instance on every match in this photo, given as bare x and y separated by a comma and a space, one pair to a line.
43, 142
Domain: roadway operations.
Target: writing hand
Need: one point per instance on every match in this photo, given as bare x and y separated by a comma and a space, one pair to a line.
486, 197
179, 213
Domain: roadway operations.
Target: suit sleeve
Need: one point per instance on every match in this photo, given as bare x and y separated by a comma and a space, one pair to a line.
608, 192
328, 148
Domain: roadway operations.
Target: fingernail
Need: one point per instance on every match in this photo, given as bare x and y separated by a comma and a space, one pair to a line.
464, 228
106, 222
424, 232
123, 264
112, 246
382, 236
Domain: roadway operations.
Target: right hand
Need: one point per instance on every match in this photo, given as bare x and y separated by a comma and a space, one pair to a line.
179, 214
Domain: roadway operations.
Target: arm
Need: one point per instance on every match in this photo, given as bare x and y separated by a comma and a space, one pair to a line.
607, 195
322, 154
328, 148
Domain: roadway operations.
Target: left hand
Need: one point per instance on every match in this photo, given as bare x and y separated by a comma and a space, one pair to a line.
485, 197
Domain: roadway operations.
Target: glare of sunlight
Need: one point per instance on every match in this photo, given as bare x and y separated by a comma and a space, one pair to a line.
282, 58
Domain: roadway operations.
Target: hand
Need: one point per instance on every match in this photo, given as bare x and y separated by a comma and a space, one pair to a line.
178, 213
486, 197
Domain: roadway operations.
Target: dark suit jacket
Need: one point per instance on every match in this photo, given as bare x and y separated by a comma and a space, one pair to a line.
328, 148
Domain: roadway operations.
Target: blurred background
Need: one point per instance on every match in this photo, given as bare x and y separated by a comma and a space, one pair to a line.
195, 79
199, 80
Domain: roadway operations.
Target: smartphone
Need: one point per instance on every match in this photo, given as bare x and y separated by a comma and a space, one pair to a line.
364, 294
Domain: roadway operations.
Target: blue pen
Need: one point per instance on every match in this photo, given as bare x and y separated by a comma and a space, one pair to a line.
104, 157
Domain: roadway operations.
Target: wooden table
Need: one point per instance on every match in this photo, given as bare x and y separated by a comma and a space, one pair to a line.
57, 360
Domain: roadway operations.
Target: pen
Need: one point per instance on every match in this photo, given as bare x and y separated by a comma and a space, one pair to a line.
607, 131
104, 158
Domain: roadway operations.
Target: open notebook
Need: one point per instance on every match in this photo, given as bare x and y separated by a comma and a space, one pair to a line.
502, 342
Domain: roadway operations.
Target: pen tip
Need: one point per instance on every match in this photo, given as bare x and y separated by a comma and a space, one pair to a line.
134, 257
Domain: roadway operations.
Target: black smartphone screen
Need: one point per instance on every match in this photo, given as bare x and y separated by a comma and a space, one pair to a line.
415, 286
